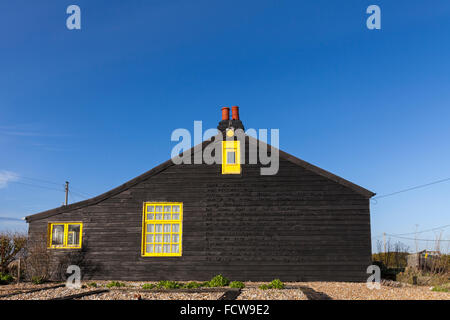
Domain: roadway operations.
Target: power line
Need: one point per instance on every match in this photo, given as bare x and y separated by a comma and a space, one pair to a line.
433, 229
412, 188
36, 186
393, 235
77, 195
80, 193
40, 180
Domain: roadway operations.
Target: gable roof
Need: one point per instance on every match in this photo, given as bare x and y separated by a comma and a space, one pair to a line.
284, 155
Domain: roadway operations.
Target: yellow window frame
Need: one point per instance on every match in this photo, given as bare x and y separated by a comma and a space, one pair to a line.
147, 221
65, 244
235, 147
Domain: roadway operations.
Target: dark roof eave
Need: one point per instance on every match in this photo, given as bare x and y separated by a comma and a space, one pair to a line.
99, 198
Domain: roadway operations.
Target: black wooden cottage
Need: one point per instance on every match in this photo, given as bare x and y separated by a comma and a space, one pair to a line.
194, 221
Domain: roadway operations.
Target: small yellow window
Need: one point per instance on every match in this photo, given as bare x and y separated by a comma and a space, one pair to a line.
231, 157
65, 235
162, 229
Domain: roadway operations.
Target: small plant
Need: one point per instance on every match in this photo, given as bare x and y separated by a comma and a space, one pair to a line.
193, 285
115, 284
237, 285
148, 286
275, 284
38, 280
164, 284
442, 288
92, 285
219, 281
6, 278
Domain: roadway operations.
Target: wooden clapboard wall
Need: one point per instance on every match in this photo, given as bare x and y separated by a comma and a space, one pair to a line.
297, 225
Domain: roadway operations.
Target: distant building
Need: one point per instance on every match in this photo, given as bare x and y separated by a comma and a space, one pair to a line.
422, 259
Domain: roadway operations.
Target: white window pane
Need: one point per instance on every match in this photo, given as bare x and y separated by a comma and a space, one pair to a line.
158, 237
150, 216
167, 228
166, 248
166, 238
73, 236
231, 157
150, 208
166, 216
149, 248
166, 208
175, 248
158, 216
175, 216
176, 208
150, 238
58, 235
158, 248
175, 237
150, 227
175, 228
158, 227
158, 208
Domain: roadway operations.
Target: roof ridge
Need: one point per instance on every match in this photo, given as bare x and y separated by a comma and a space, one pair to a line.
168, 163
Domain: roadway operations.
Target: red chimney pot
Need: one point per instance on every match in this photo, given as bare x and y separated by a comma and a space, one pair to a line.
235, 112
225, 113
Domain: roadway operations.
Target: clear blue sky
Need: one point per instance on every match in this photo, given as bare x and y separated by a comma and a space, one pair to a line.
97, 106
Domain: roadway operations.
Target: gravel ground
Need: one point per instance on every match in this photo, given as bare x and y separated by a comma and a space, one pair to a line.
359, 291
271, 294
23, 286
47, 294
293, 291
146, 295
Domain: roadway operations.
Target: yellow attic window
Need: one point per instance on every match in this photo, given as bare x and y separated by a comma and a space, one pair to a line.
231, 157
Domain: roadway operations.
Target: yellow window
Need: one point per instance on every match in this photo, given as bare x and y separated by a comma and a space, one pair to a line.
231, 157
65, 235
162, 229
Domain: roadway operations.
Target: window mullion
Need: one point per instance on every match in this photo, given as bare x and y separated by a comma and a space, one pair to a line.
66, 230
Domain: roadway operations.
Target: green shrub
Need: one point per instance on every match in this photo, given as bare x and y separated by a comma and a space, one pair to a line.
164, 284
442, 288
115, 284
38, 279
6, 278
193, 285
148, 286
219, 281
92, 285
275, 284
237, 284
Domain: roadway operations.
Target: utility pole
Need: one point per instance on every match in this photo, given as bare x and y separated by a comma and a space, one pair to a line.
384, 241
67, 192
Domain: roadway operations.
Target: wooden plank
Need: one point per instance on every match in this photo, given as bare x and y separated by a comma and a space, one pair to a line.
80, 295
31, 291
231, 294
